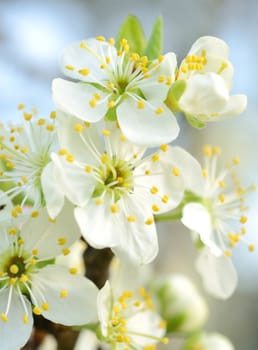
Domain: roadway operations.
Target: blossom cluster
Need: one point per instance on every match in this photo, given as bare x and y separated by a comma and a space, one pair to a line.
101, 167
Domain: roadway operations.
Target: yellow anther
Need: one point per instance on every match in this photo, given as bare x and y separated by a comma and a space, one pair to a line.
122, 137
155, 208
100, 38
66, 251
32, 261
162, 324
45, 306
98, 201
62, 152
104, 158
50, 127
25, 319
83, 45
176, 171
52, 220
159, 110
164, 148
34, 214
243, 230
12, 139
63, 293
106, 132
154, 190
41, 121
114, 208
20, 242
116, 309
165, 340
20, 106
93, 103
222, 198
120, 179
149, 221
243, 219
88, 168
27, 116
13, 281
53, 114
155, 157
84, 71
37, 310
12, 231
165, 199
111, 41
217, 150
69, 67
4, 317
222, 184
141, 104
228, 253
147, 172
24, 278
184, 69
102, 66
207, 150
73, 270
62, 240
236, 160
14, 269
161, 79
160, 58
204, 173
97, 96
107, 60
35, 251
123, 42
10, 165
78, 127
69, 158
251, 247
111, 104
131, 218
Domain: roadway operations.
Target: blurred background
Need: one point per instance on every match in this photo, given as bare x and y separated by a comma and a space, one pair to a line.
32, 37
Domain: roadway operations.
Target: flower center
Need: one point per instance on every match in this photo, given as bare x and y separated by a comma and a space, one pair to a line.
15, 267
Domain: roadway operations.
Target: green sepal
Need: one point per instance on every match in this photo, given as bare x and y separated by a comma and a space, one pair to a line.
110, 116
174, 94
174, 323
193, 341
155, 43
195, 123
132, 30
44, 263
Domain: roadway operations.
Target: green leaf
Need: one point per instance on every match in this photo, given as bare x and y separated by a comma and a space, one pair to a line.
132, 30
194, 122
174, 94
155, 43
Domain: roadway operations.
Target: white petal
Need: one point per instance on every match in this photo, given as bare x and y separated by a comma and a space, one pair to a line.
81, 58
236, 105
53, 194
218, 274
215, 341
144, 126
87, 340
78, 307
70, 140
14, 333
44, 235
104, 304
76, 183
74, 98
147, 323
198, 219
212, 46
150, 87
204, 95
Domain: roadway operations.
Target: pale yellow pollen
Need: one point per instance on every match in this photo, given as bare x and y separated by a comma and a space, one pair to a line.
155, 157
52, 220
104, 158
53, 114
165, 340
12, 231
50, 127
69, 158
37, 310
228, 253
66, 251
141, 104
34, 214
24, 278
100, 38
88, 168
111, 41
114, 208
147, 172
204, 173
243, 219
165, 199
106, 132
14, 269
131, 218
20, 106
35, 251
102, 66
84, 71
222, 183
69, 67
62, 240
25, 319
162, 324
32, 261
27, 116
176, 171
155, 208
93, 103
135, 155
62, 152
63, 293
98, 201
13, 281
73, 270
41, 121
159, 110
78, 127
45, 306
222, 198
111, 104
217, 150
20, 242
83, 45
184, 68
161, 79
12, 139
10, 165
164, 148
236, 160
116, 309
122, 138
243, 230
251, 247
4, 317
154, 190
